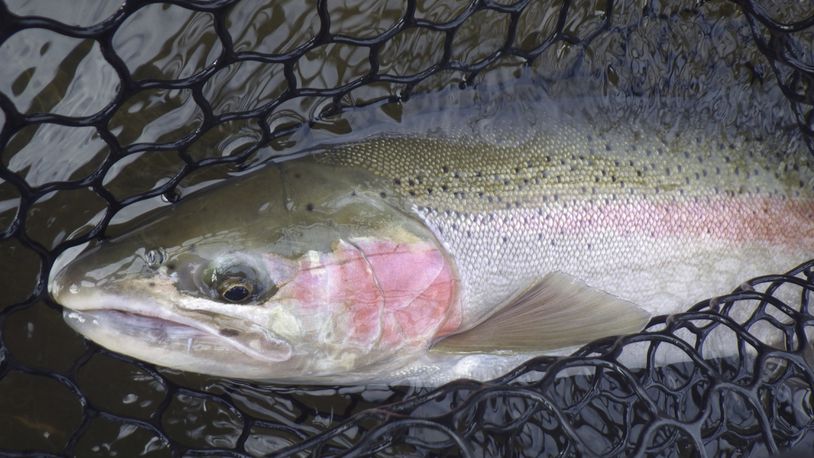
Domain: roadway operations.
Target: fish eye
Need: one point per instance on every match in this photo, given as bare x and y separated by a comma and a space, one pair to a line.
236, 290
237, 279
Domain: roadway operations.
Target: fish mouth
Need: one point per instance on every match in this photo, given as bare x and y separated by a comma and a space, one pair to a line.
103, 317
137, 324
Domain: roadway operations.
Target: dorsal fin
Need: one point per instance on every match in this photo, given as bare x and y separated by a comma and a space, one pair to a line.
556, 312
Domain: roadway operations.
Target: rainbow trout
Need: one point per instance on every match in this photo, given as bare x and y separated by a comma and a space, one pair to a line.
405, 259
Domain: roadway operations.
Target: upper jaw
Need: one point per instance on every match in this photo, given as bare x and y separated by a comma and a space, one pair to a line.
253, 342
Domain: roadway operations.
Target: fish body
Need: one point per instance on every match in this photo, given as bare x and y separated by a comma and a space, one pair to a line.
425, 259
660, 224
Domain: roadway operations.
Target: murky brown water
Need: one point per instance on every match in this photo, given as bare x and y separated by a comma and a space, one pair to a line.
57, 174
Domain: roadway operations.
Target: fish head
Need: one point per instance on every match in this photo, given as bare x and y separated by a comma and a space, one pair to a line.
297, 273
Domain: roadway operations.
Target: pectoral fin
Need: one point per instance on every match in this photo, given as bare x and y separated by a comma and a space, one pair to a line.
556, 312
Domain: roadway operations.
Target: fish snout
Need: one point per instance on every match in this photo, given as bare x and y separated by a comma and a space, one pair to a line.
64, 277
84, 270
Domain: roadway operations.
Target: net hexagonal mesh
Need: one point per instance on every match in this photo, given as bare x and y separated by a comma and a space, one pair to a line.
109, 110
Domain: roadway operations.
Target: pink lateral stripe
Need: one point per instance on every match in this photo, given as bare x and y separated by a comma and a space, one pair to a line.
783, 222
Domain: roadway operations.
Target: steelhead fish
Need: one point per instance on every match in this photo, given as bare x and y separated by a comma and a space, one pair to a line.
426, 259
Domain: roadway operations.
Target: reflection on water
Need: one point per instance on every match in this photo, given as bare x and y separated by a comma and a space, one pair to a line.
156, 116
706, 55
317, 69
44, 71
54, 218
83, 13
272, 27
231, 138
244, 86
141, 172
354, 18
178, 43
440, 11
37, 153
471, 45
9, 205
411, 52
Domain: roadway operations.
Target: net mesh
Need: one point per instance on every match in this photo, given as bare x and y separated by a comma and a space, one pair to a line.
239, 94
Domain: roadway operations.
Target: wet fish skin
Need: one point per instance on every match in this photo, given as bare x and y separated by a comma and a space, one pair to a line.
657, 223
662, 223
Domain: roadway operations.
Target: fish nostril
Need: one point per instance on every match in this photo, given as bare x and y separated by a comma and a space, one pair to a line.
154, 258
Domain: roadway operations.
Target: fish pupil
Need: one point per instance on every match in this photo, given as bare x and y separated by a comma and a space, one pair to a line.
236, 293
